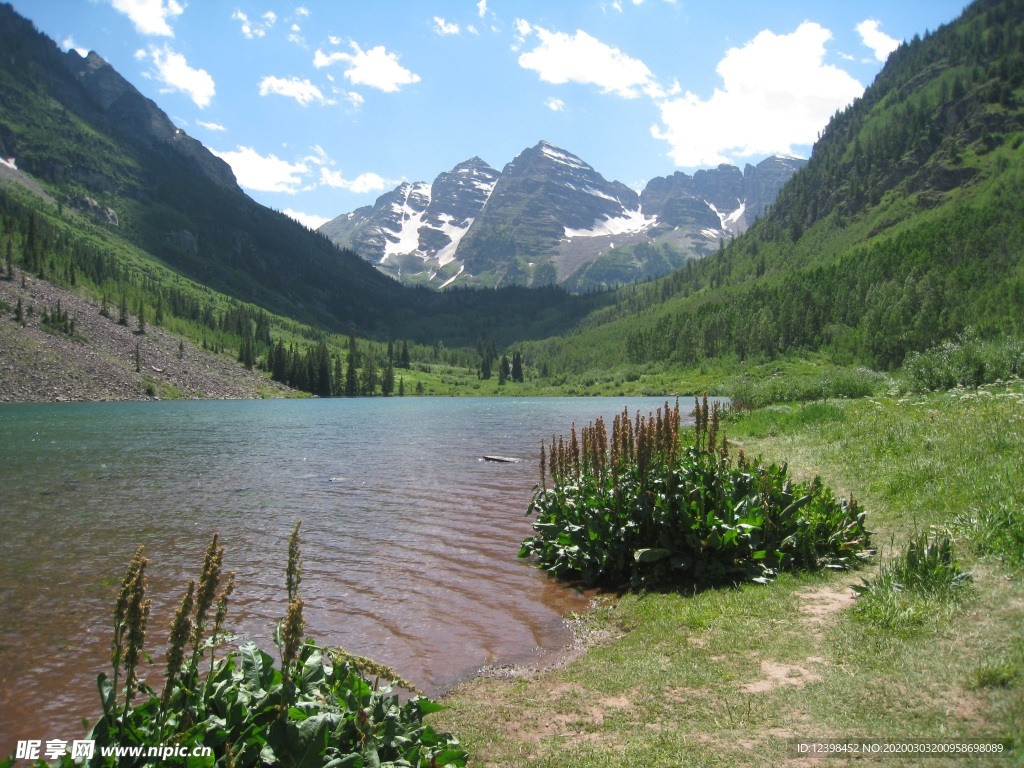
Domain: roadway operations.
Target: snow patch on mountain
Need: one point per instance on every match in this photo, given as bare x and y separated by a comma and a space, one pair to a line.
631, 222
564, 157
730, 221
410, 218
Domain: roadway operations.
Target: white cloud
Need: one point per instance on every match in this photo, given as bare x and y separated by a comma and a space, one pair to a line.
69, 44
264, 173
580, 58
253, 30
211, 126
364, 182
442, 27
302, 91
302, 11
173, 71
554, 104
375, 68
874, 38
310, 220
150, 17
776, 94
481, 8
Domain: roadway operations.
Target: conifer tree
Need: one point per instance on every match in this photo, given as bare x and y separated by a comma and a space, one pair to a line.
517, 366
142, 316
387, 384
368, 384
122, 318
351, 373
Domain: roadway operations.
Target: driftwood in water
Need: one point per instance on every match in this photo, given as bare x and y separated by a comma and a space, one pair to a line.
503, 459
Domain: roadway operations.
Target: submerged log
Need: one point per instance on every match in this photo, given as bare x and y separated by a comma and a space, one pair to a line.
503, 459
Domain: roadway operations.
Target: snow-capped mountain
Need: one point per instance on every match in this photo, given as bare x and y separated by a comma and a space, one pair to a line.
549, 217
416, 228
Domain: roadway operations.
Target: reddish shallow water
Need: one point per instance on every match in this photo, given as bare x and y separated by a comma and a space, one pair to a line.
409, 538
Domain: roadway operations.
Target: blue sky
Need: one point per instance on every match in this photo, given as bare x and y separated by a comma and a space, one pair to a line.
322, 105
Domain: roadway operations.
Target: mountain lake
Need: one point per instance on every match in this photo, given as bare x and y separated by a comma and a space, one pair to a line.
409, 538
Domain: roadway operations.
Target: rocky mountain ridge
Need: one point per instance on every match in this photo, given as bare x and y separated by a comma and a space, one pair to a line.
549, 217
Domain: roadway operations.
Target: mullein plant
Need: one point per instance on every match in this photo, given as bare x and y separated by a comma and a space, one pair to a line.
317, 710
648, 507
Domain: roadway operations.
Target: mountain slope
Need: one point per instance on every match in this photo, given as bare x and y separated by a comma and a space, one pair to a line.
77, 133
549, 217
904, 229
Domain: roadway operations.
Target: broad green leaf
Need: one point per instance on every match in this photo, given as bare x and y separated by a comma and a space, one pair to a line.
651, 555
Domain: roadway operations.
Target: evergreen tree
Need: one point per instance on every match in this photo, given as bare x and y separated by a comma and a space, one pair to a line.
10, 259
138, 358
405, 355
517, 366
401, 386
368, 383
158, 317
502, 370
142, 316
322, 365
351, 372
387, 384
122, 318
181, 349
19, 313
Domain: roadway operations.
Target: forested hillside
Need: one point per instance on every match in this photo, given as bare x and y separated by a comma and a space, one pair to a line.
905, 227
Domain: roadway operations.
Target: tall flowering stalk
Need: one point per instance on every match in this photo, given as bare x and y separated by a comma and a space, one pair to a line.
131, 612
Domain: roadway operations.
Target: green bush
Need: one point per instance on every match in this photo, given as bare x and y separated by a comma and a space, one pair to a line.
653, 511
841, 382
966, 361
317, 709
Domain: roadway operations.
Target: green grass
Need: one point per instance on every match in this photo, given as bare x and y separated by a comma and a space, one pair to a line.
729, 677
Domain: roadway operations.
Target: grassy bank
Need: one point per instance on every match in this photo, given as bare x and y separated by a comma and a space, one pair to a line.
731, 676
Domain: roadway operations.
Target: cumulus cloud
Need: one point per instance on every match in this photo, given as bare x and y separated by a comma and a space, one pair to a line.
375, 68
262, 173
443, 27
309, 220
255, 29
211, 126
580, 58
171, 69
870, 31
776, 94
481, 8
364, 182
554, 104
69, 44
303, 91
150, 17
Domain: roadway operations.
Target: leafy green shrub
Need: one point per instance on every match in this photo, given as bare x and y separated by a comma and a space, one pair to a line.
651, 510
316, 709
966, 361
841, 382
